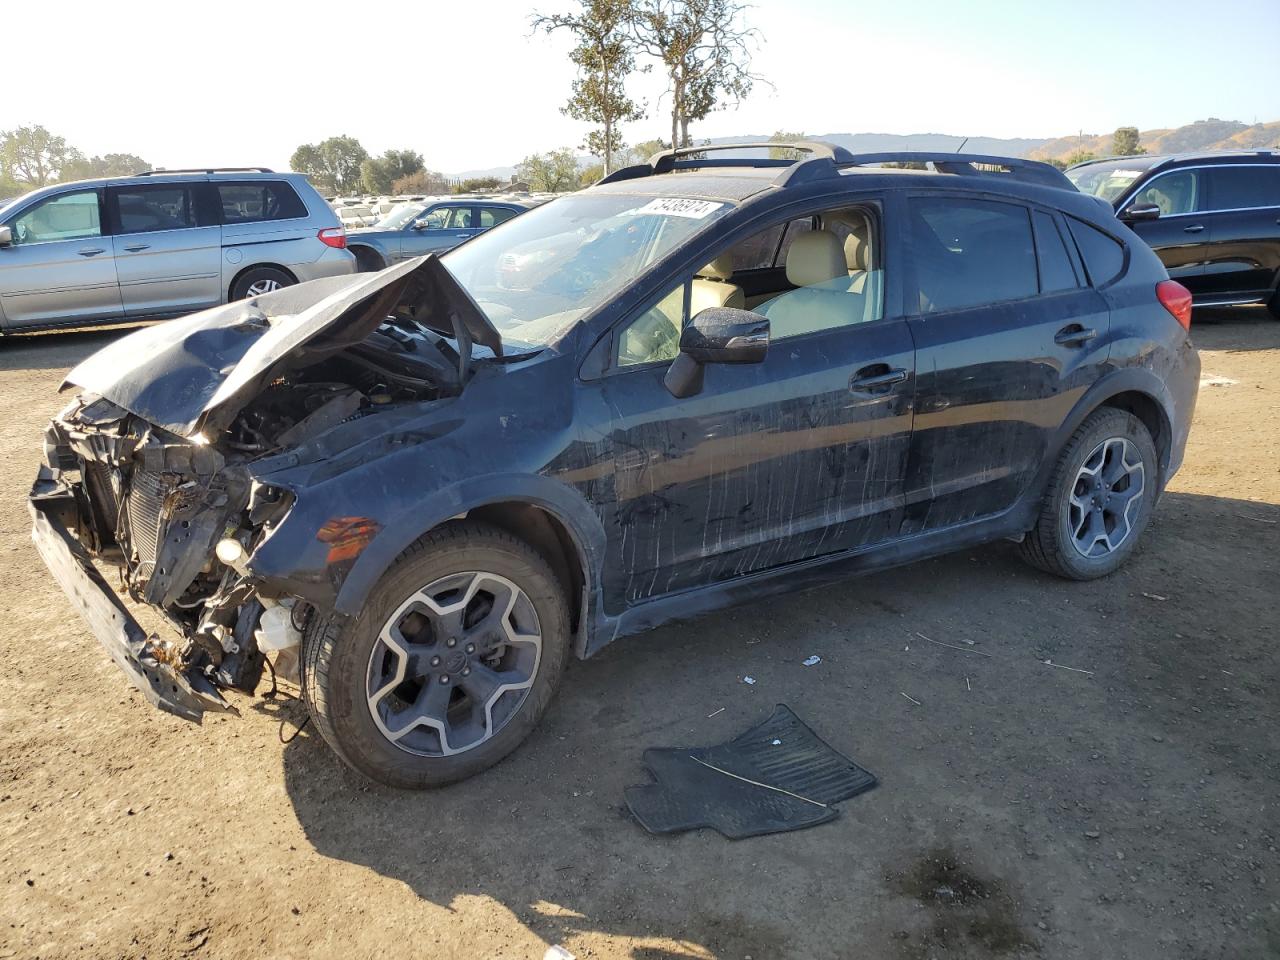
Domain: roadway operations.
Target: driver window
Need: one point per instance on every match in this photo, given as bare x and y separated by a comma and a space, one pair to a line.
655, 334
1173, 193
71, 216
438, 219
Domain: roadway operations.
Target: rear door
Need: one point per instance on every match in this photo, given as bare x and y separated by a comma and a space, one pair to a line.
60, 266
168, 248
1008, 335
1242, 219
1180, 237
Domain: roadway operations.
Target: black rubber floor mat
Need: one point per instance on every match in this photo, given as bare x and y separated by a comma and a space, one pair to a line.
777, 776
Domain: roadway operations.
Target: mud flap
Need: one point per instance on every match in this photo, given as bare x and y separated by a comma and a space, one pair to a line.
182, 694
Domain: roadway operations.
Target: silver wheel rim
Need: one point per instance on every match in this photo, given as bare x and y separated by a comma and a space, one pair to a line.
453, 664
259, 287
1106, 497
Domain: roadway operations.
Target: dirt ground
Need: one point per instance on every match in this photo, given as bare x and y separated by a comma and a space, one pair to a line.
1121, 802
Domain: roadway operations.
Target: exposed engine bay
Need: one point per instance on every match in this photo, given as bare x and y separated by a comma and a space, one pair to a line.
179, 516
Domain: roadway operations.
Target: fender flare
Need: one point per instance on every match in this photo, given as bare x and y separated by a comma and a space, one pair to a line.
559, 500
1127, 380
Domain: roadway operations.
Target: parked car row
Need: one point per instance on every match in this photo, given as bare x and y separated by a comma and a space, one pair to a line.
160, 245
1212, 218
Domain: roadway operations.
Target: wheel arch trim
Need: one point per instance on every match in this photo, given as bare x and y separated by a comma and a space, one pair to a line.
559, 502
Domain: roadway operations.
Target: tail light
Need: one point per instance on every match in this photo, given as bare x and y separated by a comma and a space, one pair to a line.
333, 237
1176, 299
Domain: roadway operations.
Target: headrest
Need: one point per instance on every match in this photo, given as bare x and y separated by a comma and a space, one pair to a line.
815, 257
856, 250
721, 268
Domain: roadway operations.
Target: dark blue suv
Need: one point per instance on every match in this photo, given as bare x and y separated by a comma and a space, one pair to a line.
703, 380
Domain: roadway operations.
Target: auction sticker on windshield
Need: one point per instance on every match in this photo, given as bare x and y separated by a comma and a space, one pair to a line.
680, 207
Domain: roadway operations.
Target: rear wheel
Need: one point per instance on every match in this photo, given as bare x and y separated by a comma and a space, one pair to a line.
256, 281
1099, 500
450, 665
367, 261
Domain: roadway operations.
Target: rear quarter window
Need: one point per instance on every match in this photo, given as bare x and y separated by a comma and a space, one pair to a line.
1103, 255
259, 200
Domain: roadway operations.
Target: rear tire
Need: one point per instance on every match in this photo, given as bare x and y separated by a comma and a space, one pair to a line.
1099, 498
410, 697
367, 261
256, 281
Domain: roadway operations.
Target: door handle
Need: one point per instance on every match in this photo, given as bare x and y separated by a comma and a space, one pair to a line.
91, 251
1194, 228
876, 377
1074, 336
135, 247
462, 236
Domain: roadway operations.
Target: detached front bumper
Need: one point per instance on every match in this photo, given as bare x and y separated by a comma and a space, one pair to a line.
141, 657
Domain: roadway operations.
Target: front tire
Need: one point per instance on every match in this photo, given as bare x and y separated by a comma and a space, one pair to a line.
450, 665
1099, 498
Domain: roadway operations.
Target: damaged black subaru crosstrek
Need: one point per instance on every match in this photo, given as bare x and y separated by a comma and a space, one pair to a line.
698, 382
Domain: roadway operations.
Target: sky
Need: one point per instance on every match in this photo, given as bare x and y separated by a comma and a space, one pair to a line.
243, 83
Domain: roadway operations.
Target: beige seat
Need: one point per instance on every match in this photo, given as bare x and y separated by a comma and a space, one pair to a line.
816, 265
857, 257
711, 287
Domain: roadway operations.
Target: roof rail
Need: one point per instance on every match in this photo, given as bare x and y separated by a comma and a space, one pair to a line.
692, 158
152, 173
965, 164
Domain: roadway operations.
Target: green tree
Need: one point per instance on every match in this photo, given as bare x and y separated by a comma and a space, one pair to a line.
783, 153
549, 172
108, 165
705, 51
33, 157
333, 165
1077, 156
479, 185
590, 174
1125, 142
377, 174
423, 181
604, 56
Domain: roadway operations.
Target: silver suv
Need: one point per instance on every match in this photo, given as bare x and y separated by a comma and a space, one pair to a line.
161, 244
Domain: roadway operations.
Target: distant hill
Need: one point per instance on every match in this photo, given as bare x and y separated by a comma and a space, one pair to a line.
1211, 134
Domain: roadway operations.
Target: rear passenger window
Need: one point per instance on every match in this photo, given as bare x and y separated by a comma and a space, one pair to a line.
259, 200
1242, 188
492, 216
970, 252
146, 209
758, 251
1103, 256
1056, 271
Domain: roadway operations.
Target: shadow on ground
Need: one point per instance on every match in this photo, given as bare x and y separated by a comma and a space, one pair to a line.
1079, 711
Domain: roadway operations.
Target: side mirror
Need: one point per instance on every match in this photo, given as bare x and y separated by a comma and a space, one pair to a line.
6, 236
1140, 211
422, 223
716, 335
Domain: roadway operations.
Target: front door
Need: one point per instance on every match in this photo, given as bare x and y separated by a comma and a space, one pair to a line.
168, 259
60, 266
798, 457
1006, 343
445, 226
1180, 236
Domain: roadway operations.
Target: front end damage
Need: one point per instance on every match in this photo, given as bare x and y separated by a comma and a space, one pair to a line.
154, 472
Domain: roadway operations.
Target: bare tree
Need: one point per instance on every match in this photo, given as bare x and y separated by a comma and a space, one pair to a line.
605, 55
705, 50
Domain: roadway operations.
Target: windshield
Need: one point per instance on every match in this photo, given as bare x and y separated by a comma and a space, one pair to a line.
1108, 180
537, 274
399, 216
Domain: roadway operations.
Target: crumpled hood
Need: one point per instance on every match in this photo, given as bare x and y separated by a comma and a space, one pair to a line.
197, 372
